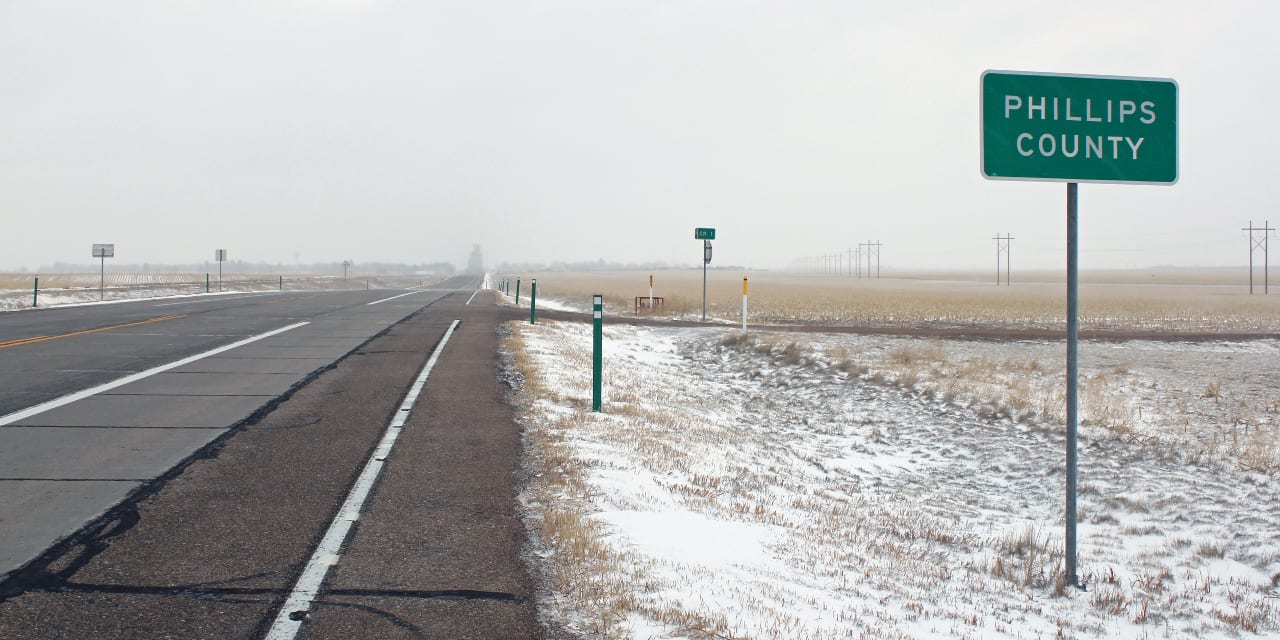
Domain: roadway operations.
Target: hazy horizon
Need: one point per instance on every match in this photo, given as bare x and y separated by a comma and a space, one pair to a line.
309, 132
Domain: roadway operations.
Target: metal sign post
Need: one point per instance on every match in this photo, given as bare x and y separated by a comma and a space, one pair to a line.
744, 303
706, 235
597, 345
1073, 370
533, 301
102, 252
1072, 129
706, 259
221, 256
651, 293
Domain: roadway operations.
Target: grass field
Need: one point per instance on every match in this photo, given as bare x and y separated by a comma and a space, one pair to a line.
771, 485
1176, 301
781, 484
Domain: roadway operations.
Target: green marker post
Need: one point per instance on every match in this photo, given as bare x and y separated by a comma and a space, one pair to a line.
206, 282
35, 292
597, 361
517, 292
533, 301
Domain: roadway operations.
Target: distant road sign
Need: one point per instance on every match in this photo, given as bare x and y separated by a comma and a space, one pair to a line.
220, 255
104, 250
1075, 128
704, 233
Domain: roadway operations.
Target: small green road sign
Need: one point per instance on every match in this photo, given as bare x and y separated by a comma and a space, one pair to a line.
704, 233
1075, 128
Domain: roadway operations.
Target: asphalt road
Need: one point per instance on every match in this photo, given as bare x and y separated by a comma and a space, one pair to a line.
214, 546
63, 466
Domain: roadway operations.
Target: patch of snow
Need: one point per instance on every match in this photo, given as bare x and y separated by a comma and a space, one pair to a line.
835, 486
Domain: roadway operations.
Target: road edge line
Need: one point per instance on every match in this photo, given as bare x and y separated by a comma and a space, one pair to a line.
287, 622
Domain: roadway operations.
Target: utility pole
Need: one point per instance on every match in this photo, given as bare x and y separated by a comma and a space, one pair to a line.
849, 262
1002, 245
1255, 243
877, 245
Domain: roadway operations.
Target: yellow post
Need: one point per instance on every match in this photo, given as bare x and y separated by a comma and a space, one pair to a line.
744, 303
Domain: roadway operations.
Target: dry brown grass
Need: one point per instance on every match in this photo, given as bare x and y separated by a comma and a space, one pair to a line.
1028, 557
580, 566
780, 298
863, 539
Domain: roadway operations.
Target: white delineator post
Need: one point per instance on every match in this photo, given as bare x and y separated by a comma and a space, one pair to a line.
744, 303
651, 293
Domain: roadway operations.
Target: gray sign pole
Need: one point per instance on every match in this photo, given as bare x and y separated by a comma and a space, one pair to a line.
221, 256
1016, 148
706, 258
1073, 370
102, 275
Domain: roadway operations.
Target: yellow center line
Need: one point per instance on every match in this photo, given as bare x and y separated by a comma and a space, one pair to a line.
22, 341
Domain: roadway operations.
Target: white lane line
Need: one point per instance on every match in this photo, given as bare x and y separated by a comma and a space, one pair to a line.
289, 621
134, 377
393, 298
473, 296
214, 298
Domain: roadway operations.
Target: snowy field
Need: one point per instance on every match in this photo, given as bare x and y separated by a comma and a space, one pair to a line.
834, 486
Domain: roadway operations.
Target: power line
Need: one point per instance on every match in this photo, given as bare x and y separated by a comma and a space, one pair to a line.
1002, 245
1255, 243
868, 244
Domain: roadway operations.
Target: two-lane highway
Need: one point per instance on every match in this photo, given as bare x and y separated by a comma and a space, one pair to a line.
97, 400
49, 353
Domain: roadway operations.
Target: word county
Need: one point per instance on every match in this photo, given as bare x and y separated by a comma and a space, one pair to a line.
1064, 110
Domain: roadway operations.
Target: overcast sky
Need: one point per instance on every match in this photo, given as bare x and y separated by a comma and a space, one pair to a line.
407, 131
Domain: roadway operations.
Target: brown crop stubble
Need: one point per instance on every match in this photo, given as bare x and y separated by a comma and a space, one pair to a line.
1114, 305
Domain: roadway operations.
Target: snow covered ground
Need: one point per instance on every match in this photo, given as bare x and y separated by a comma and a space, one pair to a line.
834, 486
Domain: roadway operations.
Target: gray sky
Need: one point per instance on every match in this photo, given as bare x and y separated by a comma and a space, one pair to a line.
406, 131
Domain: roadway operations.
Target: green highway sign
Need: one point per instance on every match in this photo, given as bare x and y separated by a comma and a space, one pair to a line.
1074, 128
704, 233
